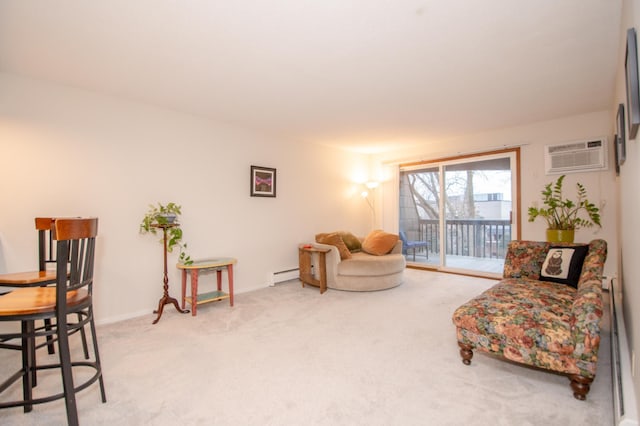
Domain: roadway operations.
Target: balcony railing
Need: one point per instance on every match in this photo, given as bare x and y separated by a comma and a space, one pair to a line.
468, 237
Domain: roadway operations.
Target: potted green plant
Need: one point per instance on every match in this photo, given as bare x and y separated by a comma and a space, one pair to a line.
163, 215
564, 216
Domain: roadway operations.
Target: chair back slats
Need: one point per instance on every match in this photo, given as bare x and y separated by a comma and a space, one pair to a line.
46, 241
69, 303
44, 226
76, 246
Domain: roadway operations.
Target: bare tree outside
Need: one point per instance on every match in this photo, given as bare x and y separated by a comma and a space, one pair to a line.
425, 189
473, 197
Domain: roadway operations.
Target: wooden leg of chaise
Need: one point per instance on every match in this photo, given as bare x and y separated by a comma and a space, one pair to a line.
581, 386
466, 353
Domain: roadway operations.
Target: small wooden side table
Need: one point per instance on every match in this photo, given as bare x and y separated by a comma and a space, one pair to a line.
217, 264
305, 256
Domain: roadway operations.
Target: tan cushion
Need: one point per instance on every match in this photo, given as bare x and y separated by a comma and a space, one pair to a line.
379, 242
352, 242
334, 239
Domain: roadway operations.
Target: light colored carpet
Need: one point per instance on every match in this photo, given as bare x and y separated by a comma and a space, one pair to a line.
285, 355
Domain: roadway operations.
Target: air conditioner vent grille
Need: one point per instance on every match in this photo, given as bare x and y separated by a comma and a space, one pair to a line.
576, 157
567, 147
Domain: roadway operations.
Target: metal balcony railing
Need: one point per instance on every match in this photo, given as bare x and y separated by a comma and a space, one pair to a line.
480, 238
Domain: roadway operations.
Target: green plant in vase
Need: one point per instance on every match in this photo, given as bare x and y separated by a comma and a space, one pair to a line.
564, 216
166, 215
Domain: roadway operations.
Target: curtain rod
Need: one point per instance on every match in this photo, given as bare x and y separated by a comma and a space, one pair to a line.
441, 155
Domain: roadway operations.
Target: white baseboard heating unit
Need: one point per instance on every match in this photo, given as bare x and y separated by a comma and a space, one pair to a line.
624, 399
284, 275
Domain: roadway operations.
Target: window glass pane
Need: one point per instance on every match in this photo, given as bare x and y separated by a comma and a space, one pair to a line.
456, 214
420, 214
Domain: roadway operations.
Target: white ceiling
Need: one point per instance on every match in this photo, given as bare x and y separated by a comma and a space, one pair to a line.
364, 74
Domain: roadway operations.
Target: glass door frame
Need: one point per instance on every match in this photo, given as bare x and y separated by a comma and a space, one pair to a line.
514, 155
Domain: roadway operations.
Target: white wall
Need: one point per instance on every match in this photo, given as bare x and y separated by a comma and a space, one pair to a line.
601, 186
66, 152
629, 184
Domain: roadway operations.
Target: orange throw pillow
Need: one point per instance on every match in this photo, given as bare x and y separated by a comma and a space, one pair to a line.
379, 242
335, 239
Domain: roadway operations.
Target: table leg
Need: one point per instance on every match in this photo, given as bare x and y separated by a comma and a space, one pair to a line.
323, 272
230, 274
194, 292
167, 300
304, 263
219, 278
184, 288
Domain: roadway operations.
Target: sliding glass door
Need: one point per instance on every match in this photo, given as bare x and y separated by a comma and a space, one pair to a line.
463, 209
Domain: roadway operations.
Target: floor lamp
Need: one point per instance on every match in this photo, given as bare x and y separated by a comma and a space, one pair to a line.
368, 194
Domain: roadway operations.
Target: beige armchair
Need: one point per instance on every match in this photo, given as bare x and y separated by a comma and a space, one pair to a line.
363, 272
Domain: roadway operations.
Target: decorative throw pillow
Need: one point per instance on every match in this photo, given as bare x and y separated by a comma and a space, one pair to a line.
335, 240
564, 264
379, 242
351, 241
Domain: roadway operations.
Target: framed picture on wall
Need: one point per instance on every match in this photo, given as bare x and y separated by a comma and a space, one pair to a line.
615, 153
621, 146
633, 87
263, 181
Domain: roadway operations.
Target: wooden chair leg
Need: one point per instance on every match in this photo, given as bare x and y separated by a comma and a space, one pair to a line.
466, 352
581, 386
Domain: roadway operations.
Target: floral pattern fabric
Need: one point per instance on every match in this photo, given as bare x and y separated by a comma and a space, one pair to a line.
524, 259
539, 323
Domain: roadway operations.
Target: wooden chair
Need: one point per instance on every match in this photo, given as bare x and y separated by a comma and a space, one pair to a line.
42, 277
46, 256
71, 294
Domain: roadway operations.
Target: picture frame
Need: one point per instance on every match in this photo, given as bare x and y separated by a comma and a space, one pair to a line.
615, 154
621, 145
263, 181
632, 84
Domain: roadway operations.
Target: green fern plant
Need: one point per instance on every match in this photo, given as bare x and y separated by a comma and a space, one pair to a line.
563, 213
162, 215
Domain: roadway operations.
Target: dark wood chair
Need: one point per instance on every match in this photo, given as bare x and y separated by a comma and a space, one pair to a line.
413, 245
45, 275
40, 277
71, 294
46, 256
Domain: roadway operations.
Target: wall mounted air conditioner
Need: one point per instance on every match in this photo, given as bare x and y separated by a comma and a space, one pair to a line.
579, 156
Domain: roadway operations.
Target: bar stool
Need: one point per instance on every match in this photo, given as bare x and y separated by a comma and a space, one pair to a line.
71, 294
42, 277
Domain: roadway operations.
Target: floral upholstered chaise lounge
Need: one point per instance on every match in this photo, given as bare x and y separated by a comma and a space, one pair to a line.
529, 319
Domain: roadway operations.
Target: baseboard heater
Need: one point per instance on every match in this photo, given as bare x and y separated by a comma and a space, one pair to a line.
284, 275
624, 400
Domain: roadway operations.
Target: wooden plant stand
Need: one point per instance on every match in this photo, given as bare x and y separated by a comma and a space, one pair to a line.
166, 299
